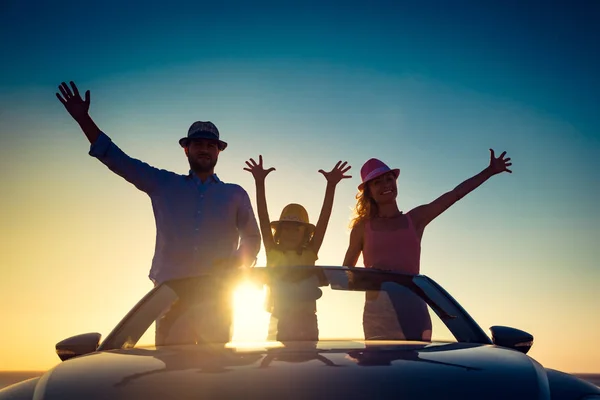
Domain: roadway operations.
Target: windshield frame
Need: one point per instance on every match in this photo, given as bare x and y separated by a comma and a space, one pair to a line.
452, 314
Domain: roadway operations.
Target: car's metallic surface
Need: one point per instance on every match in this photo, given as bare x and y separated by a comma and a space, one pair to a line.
473, 368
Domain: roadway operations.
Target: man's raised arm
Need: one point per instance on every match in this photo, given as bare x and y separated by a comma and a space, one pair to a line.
140, 174
79, 110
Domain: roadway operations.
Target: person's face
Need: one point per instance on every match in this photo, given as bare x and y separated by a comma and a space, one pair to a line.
202, 154
383, 189
291, 234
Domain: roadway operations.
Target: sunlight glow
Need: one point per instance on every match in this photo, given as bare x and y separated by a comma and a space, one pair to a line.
250, 319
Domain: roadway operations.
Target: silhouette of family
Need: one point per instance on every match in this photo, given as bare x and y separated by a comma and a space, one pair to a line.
206, 227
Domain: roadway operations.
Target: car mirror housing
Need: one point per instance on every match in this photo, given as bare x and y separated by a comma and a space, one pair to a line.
512, 338
78, 345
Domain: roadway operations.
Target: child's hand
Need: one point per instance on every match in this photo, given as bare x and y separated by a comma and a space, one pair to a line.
257, 170
337, 173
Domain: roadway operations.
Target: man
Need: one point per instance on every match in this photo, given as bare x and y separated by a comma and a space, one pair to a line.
203, 226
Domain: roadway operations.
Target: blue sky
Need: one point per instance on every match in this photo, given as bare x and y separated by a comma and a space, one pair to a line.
539, 53
539, 56
425, 86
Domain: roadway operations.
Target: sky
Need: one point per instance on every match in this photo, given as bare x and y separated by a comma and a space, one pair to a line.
426, 87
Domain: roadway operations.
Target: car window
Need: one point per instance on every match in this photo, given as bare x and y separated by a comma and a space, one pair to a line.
302, 305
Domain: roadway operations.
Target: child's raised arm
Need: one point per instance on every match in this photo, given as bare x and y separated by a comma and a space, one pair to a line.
333, 178
259, 173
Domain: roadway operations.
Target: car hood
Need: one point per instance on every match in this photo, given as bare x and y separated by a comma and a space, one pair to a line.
348, 370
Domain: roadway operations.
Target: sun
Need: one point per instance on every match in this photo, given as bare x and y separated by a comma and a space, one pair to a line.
250, 319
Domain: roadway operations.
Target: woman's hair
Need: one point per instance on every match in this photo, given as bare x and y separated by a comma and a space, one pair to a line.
366, 207
308, 234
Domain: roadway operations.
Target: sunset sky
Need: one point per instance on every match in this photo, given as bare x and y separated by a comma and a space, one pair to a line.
427, 87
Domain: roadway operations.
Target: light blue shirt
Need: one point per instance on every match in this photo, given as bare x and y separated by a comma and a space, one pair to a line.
197, 223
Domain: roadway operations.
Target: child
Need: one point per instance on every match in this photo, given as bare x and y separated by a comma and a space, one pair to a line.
294, 241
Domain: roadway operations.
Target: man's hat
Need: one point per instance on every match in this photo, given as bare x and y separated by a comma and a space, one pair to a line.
202, 130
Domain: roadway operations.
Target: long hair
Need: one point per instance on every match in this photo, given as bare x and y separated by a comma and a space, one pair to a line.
365, 208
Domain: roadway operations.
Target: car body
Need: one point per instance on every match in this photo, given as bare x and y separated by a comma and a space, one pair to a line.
472, 366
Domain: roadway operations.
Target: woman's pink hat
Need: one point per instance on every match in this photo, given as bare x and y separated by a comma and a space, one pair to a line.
374, 168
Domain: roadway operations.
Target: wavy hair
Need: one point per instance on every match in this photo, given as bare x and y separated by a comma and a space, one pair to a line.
365, 208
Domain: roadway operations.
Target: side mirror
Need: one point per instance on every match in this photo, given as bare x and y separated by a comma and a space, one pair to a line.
512, 338
78, 345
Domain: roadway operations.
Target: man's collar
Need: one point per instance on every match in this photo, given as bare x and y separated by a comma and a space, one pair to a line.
211, 178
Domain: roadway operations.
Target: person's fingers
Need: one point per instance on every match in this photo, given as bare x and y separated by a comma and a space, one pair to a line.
68, 89
75, 90
64, 92
61, 99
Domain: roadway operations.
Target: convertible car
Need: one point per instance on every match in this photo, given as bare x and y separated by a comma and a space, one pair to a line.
305, 333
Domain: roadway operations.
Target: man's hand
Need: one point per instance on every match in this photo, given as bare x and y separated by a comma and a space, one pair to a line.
337, 173
257, 170
500, 164
75, 105
228, 264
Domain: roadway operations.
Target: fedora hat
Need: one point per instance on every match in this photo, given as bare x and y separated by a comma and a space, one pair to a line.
202, 130
374, 168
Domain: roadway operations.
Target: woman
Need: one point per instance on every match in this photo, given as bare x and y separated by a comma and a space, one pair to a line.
391, 240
